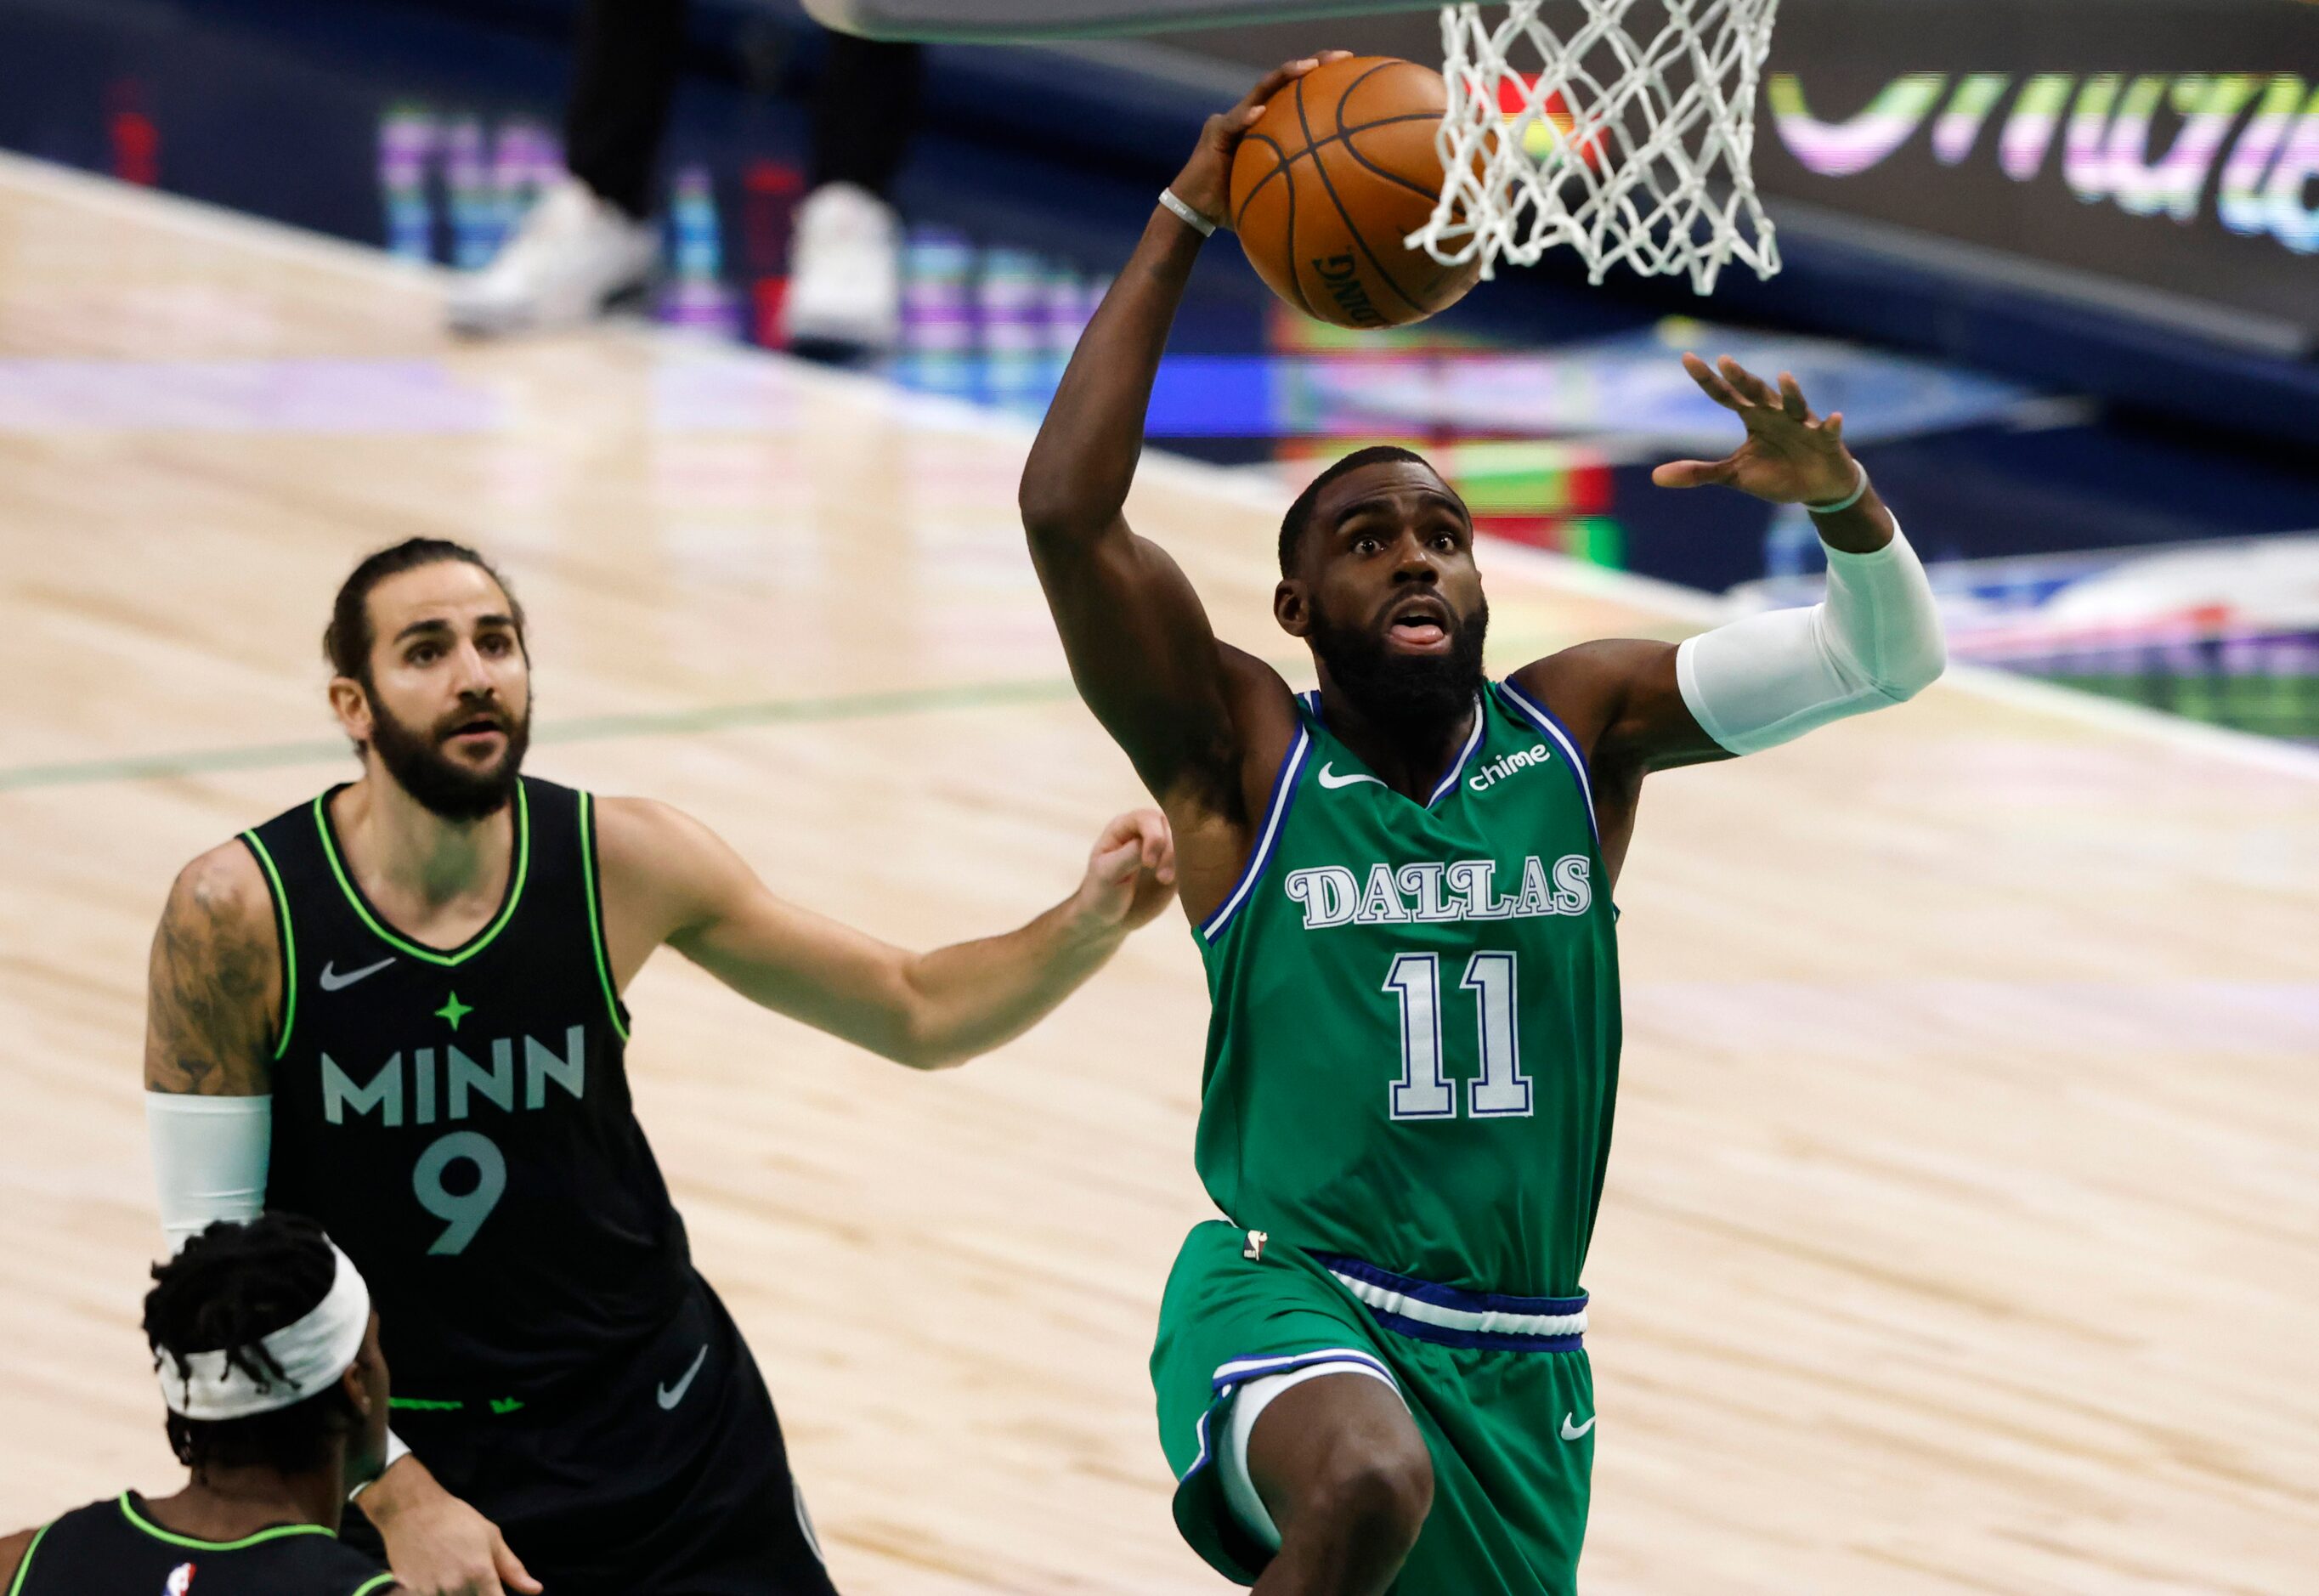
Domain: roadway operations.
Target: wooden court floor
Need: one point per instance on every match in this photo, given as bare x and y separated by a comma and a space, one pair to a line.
1962, 1232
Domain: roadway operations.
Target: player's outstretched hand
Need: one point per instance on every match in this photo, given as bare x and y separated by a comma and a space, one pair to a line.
1791, 456
1131, 873
1205, 182
438, 1546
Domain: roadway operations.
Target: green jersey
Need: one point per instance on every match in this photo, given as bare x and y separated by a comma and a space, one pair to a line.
1413, 1051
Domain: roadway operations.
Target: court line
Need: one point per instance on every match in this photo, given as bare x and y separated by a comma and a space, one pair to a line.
2285, 758
596, 728
586, 728
1685, 607
1224, 482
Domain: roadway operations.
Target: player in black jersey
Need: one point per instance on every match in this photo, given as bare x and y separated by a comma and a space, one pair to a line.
268, 1352
397, 1008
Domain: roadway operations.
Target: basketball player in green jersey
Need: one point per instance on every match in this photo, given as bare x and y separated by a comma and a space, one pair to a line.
1373, 1376
396, 1009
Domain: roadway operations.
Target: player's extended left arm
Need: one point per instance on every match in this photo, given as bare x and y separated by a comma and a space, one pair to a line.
929, 1010
1875, 640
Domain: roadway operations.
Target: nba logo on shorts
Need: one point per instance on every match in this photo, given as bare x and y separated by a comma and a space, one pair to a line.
181, 1580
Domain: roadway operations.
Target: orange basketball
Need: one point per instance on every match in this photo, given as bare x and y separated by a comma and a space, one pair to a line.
1336, 173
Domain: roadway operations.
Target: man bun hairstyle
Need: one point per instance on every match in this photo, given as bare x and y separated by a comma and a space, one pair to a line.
347, 641
1299, 517
228, 1288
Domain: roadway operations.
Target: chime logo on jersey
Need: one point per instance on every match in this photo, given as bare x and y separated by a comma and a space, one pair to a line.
1432, 892
1511, 764
180, 1581
445, 1083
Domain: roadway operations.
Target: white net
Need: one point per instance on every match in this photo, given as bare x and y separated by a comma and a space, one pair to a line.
1595, 132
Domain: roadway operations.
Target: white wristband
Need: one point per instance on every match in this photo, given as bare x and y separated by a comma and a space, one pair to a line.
1192, 219
1859, 486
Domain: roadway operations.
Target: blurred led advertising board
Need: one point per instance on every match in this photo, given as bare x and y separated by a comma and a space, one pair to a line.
2173, 143
2169, 143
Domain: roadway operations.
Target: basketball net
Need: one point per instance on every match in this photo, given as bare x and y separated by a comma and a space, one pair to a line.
1580, 132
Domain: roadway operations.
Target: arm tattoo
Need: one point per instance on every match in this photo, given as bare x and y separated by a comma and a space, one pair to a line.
207, 1013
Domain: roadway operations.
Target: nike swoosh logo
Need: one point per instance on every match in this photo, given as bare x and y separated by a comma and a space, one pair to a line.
1330, 779
331, 980
1570, 1432
670, 1395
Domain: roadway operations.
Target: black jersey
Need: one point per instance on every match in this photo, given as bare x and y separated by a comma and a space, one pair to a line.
113, 1548
459, 1119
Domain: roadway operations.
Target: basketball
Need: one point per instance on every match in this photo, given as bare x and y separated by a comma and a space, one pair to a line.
1338, 171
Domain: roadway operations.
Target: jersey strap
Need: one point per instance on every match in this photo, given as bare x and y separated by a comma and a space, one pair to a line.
256, 846
24, 1569
593, 886
1540, 717
1284, 793
1457, 771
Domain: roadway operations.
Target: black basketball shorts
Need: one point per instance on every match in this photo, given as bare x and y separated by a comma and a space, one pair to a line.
669, 1478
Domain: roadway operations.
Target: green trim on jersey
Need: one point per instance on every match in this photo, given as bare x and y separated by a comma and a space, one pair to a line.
288, 944
403, 944
595, 911
376, 1583
24, 1569
138, 1521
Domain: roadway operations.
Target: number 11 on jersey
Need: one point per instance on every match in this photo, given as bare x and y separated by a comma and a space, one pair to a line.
1425, 1091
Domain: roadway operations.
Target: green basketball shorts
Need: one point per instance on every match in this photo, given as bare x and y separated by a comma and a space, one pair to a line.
1498, 1387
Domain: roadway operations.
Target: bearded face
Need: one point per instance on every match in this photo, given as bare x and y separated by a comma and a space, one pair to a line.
1384, 590
1406, 692
444, 696
463, 767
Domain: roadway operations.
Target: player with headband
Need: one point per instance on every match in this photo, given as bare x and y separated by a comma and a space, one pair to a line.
1402, 886
268, 1352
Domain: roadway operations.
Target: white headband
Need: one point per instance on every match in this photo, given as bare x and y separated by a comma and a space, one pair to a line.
312, 1353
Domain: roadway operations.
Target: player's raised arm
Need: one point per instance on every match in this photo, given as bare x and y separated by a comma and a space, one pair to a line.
1766, 679
667, 877
1142, 650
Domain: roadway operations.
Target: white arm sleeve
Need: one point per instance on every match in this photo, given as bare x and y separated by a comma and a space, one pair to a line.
210, 1160
1768, 679
210, 1157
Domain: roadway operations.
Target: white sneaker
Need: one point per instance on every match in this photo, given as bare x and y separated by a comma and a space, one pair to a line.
571, 254
845, 273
